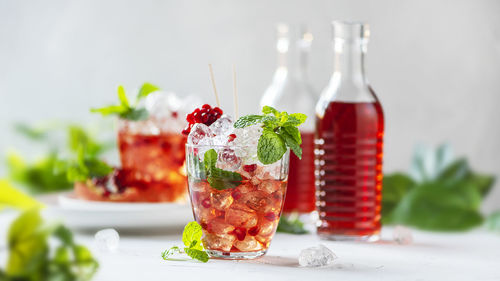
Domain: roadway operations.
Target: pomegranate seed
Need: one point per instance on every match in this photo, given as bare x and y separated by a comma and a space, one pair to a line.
206, 115
174, 114
218, 110
206, 203
236, 195
270, 216
254, 230
231, 137
250, 168
240, 233
204, 225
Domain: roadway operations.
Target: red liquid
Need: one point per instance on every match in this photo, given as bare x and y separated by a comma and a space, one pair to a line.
300, 194
349, 140
152, 171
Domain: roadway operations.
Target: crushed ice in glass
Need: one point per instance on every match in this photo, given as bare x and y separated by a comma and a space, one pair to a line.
223, 126
316, 256
241, 142
200, 134
402, 235
167, 113
107, 240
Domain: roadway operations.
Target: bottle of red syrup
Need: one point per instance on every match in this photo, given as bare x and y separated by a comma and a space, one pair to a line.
348, 143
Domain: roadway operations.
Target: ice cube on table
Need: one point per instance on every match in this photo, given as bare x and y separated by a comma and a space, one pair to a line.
107, 240
200, 134
316, 256
402, 235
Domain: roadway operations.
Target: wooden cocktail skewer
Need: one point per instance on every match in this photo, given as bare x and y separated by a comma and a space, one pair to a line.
213, 84
235, 94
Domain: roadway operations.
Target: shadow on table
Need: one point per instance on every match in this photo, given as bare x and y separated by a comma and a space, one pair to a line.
293, 262
276, 261
412, 244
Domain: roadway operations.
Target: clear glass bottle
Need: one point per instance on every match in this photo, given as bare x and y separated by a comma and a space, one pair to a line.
291, 91
349, 142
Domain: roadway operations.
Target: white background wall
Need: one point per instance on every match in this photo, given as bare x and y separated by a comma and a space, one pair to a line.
434, 64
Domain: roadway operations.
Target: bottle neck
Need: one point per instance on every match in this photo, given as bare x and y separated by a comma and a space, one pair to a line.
349, 61
293, 59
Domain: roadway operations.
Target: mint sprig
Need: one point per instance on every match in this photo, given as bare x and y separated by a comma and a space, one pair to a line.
191, 237
32, 255
125, 110
218, 178
279, 133
438, 194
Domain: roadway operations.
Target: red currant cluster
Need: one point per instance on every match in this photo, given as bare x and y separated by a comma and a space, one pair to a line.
206, 115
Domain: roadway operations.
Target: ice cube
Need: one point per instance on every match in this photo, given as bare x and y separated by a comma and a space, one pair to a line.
199, 186
221, 200
227, 160
316, 256
107, 240
160, 104
246, 142
200, 134
222, 127
219, 226
402, 235
240, 215
269, 186
259, 201
245, 188
249, 244
221, 242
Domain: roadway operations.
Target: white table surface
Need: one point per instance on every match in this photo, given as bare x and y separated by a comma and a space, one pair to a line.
432, 256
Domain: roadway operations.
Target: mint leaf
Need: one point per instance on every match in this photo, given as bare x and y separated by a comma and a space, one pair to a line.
270, 110
295, 119
290, 142
279, 132
247, 120
294, 133
109, 110
218, 178
26, 243
122, 96
270, 148
210, 159
146, 89
135, 114
191, 237
197, 254
124, 109
433, 206
31, 256
168, 253
395, 187
291, 224
85, 167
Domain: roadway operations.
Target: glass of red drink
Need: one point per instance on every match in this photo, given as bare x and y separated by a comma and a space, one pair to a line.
239, 218
152, 166
154, 163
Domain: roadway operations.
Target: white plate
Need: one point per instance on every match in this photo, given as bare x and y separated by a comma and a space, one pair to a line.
91, 215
